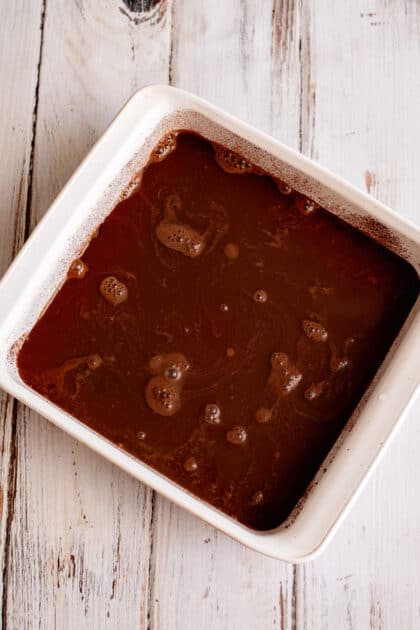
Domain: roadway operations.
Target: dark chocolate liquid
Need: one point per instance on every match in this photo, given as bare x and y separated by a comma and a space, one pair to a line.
220, 330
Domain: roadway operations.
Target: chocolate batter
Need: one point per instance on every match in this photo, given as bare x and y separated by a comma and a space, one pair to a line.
221, 328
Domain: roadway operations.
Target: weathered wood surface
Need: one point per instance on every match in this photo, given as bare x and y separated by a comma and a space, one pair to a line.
82, 545
364, 124
18, 101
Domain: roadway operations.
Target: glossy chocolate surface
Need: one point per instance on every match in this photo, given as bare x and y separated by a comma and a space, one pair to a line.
222, 328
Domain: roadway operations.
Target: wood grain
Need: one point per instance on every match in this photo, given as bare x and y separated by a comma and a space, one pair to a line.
19, 55
362, 121
81, 544
201, 578
79, 549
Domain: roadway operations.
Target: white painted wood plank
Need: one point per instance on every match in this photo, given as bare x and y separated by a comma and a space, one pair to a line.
202, 579
80, 538
243, 56
354, 101
95, 57
79, 548
19, 50
363, 123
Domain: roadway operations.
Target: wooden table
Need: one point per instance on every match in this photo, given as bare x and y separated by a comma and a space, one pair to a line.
82, 545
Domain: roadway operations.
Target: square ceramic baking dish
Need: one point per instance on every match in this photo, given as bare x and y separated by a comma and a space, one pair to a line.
90, 195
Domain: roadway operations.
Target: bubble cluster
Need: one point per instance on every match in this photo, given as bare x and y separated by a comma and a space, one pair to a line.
162, 396
190, 464
180, 238
231, 251
132, 186
166, 146
260, 296
113, 290
338, 363
78, 269
163, 390
212, 414
315, 391
284, 376
263, 415
230, 161
237, 435
160, 363
315, 331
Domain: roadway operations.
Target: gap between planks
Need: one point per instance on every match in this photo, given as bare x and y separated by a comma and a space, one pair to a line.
19, 238
306, 118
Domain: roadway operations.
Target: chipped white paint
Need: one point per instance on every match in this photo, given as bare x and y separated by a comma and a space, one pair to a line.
83, 545
18, 71
80, 538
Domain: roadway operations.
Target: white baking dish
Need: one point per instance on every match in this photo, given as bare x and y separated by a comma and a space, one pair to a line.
90, 195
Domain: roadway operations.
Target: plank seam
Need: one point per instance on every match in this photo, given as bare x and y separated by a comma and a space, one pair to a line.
302, 134
152, 559
34, 123
151, 570
244, 44
293, 616
11, 489
302, 78
306, 122
171, 44
11, 496
307, 94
